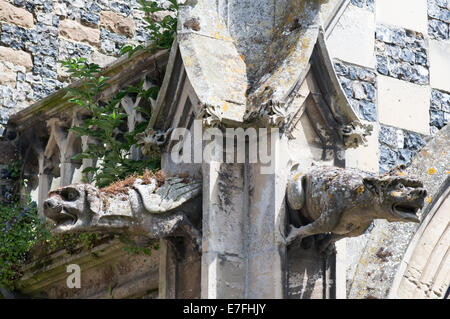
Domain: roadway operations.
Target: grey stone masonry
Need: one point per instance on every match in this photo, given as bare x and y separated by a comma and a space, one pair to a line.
397, 146
439, 19
439, 110
365, 4
402, 54
36, 34
359, 84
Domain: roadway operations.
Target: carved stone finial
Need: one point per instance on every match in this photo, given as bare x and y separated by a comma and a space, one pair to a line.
272, 113
210, 115
355, 133
150, 141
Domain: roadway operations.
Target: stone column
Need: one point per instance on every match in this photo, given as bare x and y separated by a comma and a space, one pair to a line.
45, 181
243, 221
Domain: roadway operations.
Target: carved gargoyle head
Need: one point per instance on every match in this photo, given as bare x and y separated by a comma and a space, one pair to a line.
399, 197
73, 208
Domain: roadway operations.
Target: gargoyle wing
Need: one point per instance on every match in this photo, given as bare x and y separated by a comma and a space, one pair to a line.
172, 194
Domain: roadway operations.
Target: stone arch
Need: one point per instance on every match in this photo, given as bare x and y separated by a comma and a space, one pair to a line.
425, 268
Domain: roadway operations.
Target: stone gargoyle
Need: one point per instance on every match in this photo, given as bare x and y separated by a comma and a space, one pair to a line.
344, 202
144, 211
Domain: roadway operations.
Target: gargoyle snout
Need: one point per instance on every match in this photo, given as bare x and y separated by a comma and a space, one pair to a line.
420, 192
51, 203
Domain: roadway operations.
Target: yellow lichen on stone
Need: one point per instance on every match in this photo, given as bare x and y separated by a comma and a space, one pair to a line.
360, 189
431, 171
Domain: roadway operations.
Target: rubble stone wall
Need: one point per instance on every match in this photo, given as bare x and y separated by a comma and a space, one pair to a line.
36, 34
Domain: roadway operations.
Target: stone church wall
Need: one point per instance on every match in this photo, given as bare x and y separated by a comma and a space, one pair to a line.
36, 34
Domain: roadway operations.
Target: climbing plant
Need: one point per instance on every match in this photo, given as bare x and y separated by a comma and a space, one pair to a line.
105, 124
162, 30
20, 228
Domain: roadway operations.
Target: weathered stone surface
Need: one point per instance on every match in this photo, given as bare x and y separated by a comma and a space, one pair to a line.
359, 84
328, 198
439, 110
7, 76
111, 42
117, 23
366, 4
424, 270
101, 59
72, 49
143, 209
15, 15
77, 32
397, 147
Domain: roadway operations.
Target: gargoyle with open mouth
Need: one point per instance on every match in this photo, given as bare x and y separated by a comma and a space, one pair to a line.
146, 210
344, 202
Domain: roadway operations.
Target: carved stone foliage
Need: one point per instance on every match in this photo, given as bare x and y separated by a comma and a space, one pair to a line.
151, 141
210, 115
344, 202
355, 133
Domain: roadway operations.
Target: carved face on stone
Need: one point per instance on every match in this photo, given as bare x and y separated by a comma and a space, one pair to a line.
400, 197
73, 208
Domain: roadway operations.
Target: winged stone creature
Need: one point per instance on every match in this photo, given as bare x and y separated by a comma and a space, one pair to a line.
344, 202
145, 211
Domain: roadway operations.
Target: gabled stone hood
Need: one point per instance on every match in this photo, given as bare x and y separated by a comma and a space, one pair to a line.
246, 61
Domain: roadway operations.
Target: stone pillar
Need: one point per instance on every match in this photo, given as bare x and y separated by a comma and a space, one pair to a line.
243, 221
167, 271
45, 181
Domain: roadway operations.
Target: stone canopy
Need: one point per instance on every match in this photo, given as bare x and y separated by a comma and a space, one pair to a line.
255, 73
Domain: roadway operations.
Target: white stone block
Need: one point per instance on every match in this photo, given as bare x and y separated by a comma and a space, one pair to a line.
439, 59
353, 37
408, 14
365, 157
403, 104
